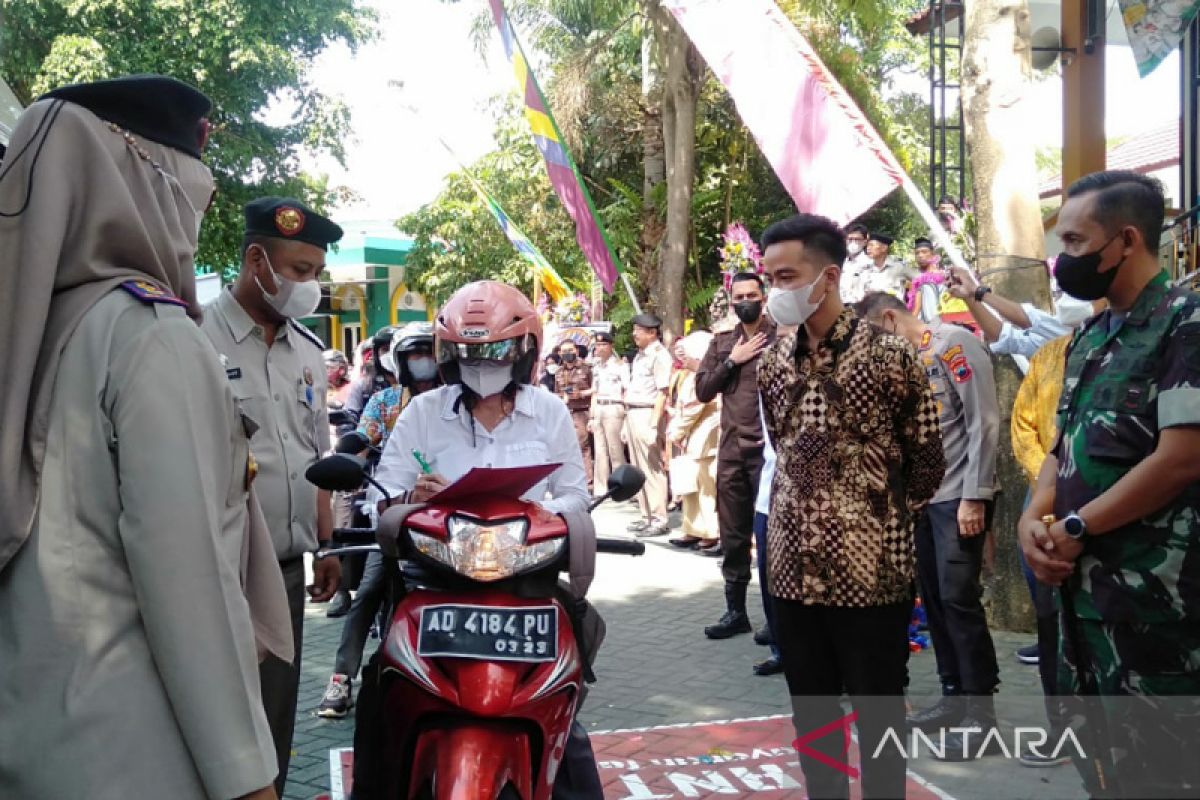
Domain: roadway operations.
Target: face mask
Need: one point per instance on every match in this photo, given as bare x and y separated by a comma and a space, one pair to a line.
485, 379
422, 369
552, 369
854, 248
1078, 275
748, 311
793, 306
568, 357
388, 363
294, 298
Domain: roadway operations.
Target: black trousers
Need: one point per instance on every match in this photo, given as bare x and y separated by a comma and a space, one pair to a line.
281, 680
948, 566
737, 488
863, 651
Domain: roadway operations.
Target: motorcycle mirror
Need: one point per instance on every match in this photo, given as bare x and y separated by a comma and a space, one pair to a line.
352, 443
340, 472
624, 482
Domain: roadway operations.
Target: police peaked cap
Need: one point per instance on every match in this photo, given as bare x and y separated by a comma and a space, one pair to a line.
647, 321
286, 218
158, 108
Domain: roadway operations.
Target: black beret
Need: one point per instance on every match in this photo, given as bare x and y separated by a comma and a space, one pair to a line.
285, 218
156, 107
882, 238
604, 336
647, 321
922, 241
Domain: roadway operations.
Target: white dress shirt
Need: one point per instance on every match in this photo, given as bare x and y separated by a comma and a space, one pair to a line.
1016, 341
538, 431
762, 502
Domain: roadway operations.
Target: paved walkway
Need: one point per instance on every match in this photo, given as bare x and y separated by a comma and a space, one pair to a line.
656, 668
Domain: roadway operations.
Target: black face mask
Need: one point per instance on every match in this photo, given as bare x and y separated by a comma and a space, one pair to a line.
1078, 275
568, 357
748, 311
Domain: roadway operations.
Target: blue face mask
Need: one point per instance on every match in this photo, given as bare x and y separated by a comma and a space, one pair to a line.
422, 369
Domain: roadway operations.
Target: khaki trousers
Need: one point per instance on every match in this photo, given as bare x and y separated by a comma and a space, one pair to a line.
700, 508
648, 458
579, 417
610, 453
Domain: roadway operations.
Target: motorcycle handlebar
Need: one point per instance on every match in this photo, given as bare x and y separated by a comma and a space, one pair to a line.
365, 535
625, 547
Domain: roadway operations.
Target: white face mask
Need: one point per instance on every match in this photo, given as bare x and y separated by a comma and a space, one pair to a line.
793, 306
387, 362
1072, 313
422, 369
293, 299
552, 369
854, 248
485, 379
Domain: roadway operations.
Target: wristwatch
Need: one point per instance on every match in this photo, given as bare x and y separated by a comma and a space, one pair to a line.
980, 291
1075, 527
730, 364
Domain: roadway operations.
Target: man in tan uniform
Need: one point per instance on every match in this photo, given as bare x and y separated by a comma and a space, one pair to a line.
610, 376
129, 665
573, 383
277, 372
645, 400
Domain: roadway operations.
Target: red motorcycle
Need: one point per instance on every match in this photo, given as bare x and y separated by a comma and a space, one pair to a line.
481, 669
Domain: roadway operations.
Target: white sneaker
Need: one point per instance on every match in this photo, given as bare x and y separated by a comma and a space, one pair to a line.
338, 699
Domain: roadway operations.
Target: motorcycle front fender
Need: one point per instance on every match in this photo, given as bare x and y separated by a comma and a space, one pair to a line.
472, 761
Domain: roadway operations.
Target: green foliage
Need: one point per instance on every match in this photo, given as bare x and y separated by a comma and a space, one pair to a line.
244, 54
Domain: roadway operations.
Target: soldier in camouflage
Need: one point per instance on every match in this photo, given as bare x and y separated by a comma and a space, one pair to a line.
1122, 486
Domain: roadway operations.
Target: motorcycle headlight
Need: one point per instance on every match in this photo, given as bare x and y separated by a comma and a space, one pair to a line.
487, 552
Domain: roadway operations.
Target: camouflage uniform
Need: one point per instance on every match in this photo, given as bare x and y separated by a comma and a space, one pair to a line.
1137, 589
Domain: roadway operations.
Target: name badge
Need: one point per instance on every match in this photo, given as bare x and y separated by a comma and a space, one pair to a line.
233, 373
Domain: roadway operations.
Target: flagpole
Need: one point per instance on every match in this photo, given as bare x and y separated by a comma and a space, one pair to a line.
935, 225
637, 308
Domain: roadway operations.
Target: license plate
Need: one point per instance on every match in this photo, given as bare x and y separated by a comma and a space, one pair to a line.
489, 633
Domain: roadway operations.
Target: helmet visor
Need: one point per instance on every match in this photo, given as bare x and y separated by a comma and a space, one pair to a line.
506, 351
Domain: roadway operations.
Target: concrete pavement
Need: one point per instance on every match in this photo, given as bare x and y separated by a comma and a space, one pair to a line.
656, 668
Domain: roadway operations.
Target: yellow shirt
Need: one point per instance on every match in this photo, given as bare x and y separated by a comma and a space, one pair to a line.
1036, 406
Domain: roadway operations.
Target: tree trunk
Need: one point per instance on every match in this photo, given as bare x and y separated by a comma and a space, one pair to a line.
653, 151
996, 80
679, 136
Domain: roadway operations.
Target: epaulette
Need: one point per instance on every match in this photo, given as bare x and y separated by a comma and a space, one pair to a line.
307, 334
151, 293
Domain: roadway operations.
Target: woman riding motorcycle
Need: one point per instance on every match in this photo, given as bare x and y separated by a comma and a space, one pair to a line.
488, 414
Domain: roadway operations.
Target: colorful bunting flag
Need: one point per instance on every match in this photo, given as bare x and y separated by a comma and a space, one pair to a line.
564, 176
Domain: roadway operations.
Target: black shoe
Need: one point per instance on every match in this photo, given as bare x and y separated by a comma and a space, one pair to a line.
716, 551
762, 636
686, 542
734, 620
946, 713
982, 739
1032, 759
1028, 654
339, 605
772, 666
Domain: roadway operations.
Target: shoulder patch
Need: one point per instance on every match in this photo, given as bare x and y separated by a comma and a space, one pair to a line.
307, 334
926, 338
952, 353
149, 292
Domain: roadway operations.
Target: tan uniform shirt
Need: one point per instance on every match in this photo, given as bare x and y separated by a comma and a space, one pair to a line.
649, 376
578, 378
129, 666
611, 377
281, 388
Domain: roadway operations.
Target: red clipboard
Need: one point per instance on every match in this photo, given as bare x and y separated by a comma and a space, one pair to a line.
505, 482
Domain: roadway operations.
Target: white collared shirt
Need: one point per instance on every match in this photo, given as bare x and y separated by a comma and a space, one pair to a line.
1027, 341
538, 431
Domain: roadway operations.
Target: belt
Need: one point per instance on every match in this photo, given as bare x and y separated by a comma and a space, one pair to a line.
639, 405
610, 403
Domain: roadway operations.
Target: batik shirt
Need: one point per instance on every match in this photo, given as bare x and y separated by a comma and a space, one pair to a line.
379, 417
1125, 381
859, 453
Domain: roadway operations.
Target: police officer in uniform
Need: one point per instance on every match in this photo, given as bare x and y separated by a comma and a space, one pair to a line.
950, 533
573, 383
645, 403
1122, 485
275, 367
129, 664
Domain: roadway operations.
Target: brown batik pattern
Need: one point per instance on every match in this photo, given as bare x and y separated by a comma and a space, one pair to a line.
859, 451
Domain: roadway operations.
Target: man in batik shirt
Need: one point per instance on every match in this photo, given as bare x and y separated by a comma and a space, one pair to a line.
849, 410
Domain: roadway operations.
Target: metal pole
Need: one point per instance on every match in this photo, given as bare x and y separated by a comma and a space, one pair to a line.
637, 308
935, 226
